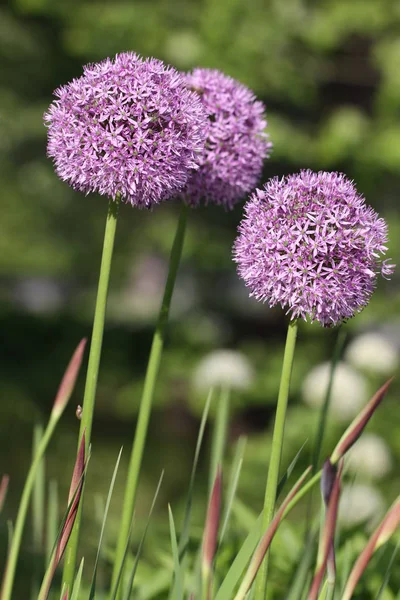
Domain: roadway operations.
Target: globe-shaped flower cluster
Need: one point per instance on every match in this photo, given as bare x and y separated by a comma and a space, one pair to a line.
236, 143
309, 243
128, 127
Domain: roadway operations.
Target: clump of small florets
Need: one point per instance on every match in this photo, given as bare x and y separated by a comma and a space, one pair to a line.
236, 144
127, 127
310, 243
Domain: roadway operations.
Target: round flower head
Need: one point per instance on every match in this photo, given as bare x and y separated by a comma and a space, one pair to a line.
224, 368
360, 503
236, 143
349, 392
373, 353
309, 243
127, 126
370, 456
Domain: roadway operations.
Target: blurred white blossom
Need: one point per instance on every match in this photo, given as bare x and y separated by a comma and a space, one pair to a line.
223, 368
349, 390
373, 352
360, 503
370, 456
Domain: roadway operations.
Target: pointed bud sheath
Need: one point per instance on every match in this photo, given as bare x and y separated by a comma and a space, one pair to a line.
74, 497
356, 428
266, 540
327, 536
328, 479
68, 382
383, 532
3, 490
212, 524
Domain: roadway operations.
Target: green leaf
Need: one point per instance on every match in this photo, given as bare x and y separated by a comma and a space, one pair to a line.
178, 577
108, 501
233, 483
139, 551
219, 435
226, 590
77, 582
289, 470
388, 572
184, 537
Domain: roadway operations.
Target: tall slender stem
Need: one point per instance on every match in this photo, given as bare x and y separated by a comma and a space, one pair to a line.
147, 397
276, 451
93, 372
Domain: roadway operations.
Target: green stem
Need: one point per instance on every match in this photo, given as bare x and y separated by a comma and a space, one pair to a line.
147, 397
219, 435
93, 372
276, 450
11, 565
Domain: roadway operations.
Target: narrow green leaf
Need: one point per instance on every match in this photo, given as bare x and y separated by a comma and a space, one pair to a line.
184, 537
226, 590
303, 571
219, 435
266, 540
77, 582
337, 350
103, 526
178, 577
139, 551
388, 572
67, 521
115, 589
285, 477
62, 397
233, 483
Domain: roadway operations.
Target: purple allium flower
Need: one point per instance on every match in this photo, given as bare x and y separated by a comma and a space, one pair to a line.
236, 143
127, 126
310, 243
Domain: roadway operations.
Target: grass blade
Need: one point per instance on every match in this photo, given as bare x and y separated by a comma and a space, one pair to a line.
178, 577
226, 590
337, 350
103, 525
74, 497
285, 477
388, 572
219, 435
61, 400
139, 551
77, 582
115, 589
233, 483
265, 542
184, 537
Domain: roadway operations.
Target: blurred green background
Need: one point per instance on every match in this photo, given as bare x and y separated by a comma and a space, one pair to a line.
329, 73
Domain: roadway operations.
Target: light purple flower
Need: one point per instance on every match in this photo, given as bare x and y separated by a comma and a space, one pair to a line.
310, 243
236, 143
127, 126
